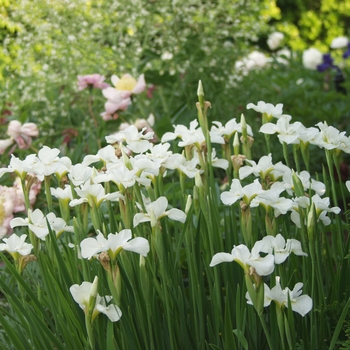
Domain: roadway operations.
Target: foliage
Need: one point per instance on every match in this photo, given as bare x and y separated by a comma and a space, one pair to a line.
59, 40
172, 297
313, 23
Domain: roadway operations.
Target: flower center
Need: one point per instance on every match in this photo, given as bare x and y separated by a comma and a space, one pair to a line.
126, 83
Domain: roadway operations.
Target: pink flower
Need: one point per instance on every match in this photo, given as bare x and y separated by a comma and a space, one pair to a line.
21, 134
7, 202
112, 106
127, 85
12, 201
4, 144
118, 97
92, 80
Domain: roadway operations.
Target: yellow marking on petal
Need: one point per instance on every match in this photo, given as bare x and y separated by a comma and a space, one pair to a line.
126, 83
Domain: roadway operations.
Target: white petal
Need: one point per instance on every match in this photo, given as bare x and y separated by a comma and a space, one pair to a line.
302, 305
92, 246
118, 240
241, 253
76, 202
40, 232
112, 311
36, 216
268, 128
294, 246
18, 222
159, 207
263, 266
281, 257
81, 294
138, 245
140, 217
177, 215
228, 198
219, 258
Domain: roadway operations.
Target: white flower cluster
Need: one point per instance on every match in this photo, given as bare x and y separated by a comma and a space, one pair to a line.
277, 251
132, 162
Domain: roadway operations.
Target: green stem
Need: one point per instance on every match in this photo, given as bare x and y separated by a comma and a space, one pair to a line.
89, 331
330, 165
280, 322
266, 331
296, 157
285, 153
48, 192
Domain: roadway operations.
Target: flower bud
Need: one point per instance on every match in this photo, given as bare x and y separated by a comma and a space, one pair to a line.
236, 144
311, 220
188, 204
198, 180
200, 91
93, 295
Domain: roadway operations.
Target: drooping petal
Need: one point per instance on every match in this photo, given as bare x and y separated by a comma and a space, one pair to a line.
112, 311
281, 257
302, 305
140, 217
40, 231
294, 246
229, 198
81, 293
268, 128
263, 266
137, 245
19, 222
76, 202
177, 215
92, 246
221, 257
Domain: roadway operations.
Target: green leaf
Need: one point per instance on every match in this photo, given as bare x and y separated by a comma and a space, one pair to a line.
339, 326
14, 336
241, 338
229, 339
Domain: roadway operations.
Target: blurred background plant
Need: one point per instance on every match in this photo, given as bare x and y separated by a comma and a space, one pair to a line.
47, 44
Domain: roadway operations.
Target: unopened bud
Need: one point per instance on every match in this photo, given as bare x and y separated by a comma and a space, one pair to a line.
188, 204
198, 180
93, 292
142, 262
93, 295
200, 91
243, 123
311, 219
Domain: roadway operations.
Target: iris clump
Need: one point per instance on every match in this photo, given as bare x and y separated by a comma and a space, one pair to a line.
173, 208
